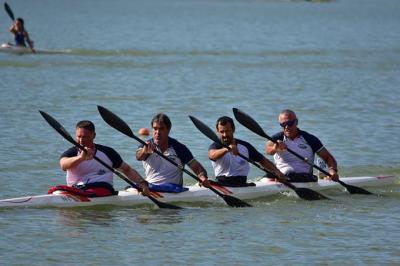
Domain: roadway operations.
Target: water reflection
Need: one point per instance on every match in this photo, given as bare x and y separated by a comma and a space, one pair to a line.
161, 216
108, 216
80, 217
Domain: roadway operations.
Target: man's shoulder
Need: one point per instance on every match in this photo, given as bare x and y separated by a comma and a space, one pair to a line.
106, 149
278, 136
244, 143
103, 147
181, 150
112, 154
71, 152
253, 153
175, 143
307, 135
215, 146
312, 140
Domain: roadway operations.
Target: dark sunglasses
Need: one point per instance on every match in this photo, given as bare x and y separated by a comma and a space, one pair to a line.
288, 123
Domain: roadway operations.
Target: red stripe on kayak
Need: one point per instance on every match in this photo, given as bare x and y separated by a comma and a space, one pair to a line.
156, 194
21, 201
384, 176
75, 197
221, 188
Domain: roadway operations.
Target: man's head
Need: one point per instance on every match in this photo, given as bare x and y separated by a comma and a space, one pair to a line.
225, 128
161, 126
85, 133
288, 121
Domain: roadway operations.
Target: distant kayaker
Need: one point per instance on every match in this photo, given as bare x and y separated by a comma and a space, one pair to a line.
161, 174
301, 142
87, 174
230, 169
20, 34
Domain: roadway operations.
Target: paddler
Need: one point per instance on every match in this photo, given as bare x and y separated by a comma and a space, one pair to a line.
161, 174
301, 142
20, 34
88, 175
230, 169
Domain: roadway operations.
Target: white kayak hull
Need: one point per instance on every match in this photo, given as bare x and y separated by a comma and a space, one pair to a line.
130, 197
12, 49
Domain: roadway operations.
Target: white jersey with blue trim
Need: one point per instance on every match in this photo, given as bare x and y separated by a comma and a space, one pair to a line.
305, 145
159, 171
233, 165
91, 171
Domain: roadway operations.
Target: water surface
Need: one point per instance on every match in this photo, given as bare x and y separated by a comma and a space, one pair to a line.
335, 63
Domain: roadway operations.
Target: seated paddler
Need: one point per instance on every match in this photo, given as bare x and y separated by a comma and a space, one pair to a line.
230, 169
303, 143
85, 175
161, 174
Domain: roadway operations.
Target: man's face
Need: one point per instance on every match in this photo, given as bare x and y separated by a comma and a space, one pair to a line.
160, 133
288, 123
225, 133
85, 137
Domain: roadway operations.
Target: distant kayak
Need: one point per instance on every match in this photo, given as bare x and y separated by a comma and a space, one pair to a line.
12, 49
9, 48
131, 197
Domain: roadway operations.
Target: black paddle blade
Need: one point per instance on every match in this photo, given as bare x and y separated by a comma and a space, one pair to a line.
164, 205
234, 202
205, 129
249, 123
59, 128
230, 200
114, 121
354, 190
309, 194
305, 193
9, 11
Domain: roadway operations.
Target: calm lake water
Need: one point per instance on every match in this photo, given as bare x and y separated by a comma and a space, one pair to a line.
336, 63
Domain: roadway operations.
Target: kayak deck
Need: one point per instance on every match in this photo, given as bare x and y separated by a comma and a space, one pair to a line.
131, 197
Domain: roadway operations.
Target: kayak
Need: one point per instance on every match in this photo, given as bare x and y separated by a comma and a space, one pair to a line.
9, 48
131, 197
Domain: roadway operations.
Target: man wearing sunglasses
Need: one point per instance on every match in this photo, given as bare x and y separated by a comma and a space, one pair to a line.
301, 142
